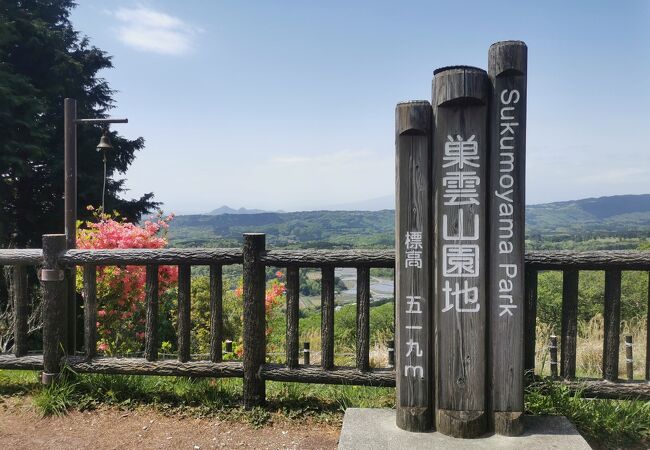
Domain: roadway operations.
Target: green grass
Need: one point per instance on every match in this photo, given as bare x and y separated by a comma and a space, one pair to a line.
607, 423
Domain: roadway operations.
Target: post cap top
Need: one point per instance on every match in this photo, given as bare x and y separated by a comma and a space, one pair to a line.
459, 68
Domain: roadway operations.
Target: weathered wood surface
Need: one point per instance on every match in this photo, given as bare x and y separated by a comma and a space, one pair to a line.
166, 367
327, 317
363, 318
21, 314
54, 311
254, 326
569, 324
337, 258
413, 231
26, 257
90, 310
151, 300
184, 310
143, 256
216, 312
638, 390
541, 260
591, 260
507, 69
530, 317
292, 315
612, 318
338, 375
629, 358
460, 102
28, 362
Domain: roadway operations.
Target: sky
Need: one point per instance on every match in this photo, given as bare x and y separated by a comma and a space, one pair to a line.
289, 105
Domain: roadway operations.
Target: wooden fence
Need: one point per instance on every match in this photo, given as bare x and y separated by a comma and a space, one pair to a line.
53, 260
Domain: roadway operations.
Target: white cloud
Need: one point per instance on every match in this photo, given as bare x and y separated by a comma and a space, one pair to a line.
149, 30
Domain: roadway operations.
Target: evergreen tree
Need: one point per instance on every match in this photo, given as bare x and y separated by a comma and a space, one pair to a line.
42, 61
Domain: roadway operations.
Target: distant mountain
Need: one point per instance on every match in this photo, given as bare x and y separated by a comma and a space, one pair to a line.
228, 210
593, 222
615, 215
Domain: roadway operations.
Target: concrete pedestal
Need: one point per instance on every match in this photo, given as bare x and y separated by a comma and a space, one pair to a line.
374, 429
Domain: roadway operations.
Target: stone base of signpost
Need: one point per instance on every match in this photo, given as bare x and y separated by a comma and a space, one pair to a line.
370, 428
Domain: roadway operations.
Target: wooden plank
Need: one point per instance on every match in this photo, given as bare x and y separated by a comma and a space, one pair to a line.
161, 256
29, 362
413, 230
612, 317
338, 375
292, 315
460, 102
507, 68
591, 260
530, 338
335, 258
21, 256
184, 308
569, 325
90, 309
216, 312
54, 311
151, 300
254, 329
166, 367
327, 317
363, 318
21, 313
638, 390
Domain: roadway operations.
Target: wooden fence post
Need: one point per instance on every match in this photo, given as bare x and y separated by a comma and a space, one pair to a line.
629, 358
413, 331
460, 107
254, 319
55, 323
507, 72
20, 300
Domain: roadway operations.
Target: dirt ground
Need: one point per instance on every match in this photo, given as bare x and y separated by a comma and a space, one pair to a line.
111, 428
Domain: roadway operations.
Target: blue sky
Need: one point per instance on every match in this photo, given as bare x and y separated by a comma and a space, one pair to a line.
290, 105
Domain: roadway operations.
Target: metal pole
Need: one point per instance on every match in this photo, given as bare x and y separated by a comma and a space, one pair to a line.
70, 206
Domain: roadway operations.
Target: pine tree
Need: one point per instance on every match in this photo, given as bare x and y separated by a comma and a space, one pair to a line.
42, 61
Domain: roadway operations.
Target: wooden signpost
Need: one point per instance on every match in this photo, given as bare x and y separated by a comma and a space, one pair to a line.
413, 262
460, 107
459, 245
507, 63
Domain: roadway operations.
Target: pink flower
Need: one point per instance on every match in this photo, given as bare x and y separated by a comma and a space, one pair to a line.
103, 347
101, 313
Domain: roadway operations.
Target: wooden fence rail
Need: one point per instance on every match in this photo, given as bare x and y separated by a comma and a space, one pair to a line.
254, 368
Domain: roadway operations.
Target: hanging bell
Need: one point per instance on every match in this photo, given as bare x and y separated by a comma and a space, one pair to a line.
104, 142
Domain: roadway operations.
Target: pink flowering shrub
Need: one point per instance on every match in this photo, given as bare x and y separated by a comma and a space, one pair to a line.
120, 290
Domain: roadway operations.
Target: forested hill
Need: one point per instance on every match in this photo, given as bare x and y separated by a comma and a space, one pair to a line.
606, 222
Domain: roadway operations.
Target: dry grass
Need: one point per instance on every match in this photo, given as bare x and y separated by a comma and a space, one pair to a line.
590, 347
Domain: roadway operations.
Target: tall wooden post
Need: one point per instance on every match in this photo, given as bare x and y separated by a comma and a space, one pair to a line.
413, 231
254, 319
506, 196
54, 313
70, 207
460, 107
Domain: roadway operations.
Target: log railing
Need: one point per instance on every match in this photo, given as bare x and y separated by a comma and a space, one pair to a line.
254, 369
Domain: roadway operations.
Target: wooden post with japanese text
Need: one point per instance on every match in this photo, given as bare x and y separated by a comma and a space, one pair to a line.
507, 63
460, 107
414, 369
